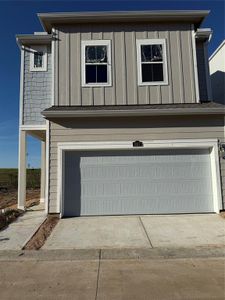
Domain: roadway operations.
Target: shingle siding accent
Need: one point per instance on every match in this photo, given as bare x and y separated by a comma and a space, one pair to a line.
37, 91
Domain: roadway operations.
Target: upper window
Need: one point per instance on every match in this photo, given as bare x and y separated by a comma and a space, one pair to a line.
96, 63
151, 62
38, 58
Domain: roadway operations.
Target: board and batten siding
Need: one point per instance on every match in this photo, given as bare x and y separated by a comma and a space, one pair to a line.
124, 90
130, 129
37, 91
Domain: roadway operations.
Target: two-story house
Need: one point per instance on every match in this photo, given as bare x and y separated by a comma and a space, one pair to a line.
122, 104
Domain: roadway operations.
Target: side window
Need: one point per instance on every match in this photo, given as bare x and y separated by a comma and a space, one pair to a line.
152, 62
96, 63
38, 58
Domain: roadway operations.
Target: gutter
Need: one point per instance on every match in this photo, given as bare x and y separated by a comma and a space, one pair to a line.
127, 113
47, 20
32, 39
204, 34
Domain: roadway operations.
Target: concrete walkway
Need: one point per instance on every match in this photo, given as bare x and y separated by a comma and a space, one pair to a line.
17, 234
125, 232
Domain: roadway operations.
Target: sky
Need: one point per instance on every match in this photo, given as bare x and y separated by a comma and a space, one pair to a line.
17, 17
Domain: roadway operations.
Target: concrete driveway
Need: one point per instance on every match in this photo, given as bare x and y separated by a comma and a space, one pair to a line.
116, 232
172, 279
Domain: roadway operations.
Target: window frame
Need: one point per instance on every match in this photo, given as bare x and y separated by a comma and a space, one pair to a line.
106, 43
141, 42
42, 48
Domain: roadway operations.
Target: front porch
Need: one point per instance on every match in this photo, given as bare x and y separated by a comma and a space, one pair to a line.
38, 133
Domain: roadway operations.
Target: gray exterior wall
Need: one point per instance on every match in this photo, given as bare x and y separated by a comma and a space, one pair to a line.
37, 91
202, 71
130, 129
125, 89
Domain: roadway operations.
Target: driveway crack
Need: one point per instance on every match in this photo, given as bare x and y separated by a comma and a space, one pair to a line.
145, 232
99, 262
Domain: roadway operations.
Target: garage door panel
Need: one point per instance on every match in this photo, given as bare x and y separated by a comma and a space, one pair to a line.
137, 182
141, 187
149, 205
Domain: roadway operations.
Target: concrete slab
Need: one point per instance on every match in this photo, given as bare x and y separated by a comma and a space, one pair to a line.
98, 233
48, 280
15, 236
185, 230
161, 279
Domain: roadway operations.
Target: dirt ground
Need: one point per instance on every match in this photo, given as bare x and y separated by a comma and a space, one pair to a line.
38, 240
9, 199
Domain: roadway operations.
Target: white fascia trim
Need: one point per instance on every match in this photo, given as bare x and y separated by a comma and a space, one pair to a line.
195, 66
21, 85
154, 144
53, 65
109, 62
33, 127
34, 49
139, 43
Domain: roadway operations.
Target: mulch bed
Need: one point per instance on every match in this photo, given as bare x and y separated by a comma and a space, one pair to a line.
9, 216
44, 231
222, 213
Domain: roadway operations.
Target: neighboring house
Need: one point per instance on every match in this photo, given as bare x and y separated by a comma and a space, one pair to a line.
217, 73
129, 125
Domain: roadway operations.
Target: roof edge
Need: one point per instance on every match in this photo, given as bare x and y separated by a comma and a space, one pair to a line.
141, 112
47, 19
32, 39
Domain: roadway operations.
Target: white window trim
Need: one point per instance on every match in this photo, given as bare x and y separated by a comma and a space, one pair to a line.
45, 58
211, 144
109, 64
162, 42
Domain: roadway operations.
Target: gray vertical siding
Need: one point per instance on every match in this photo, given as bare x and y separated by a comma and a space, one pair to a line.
37, 91
130, 129
202, 72
124, 89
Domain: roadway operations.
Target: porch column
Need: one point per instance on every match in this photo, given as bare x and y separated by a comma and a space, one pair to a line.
43, 170
22, 170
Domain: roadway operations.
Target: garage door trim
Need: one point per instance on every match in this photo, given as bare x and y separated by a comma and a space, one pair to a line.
211, 144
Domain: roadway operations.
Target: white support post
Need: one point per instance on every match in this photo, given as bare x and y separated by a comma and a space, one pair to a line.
43, 171
22, 168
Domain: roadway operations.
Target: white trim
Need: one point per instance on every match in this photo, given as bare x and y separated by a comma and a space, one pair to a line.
47, 168
53, 65
21, 85
34, 49
22, 170
207, 73
139, 43
216, 184
33, 127
109, 62
155, 144
195, 65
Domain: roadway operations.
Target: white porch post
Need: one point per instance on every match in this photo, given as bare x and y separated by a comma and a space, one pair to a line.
43, 170
22, 170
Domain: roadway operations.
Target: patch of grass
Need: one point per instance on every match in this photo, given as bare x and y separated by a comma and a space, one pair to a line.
9, 178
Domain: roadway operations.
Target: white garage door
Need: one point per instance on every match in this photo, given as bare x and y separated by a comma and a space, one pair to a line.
137, 182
